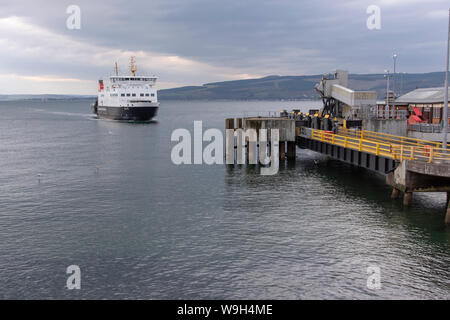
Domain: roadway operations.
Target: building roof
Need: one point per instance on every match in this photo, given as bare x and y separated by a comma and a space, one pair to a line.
423, 95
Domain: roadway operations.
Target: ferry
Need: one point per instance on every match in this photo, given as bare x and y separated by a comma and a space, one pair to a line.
127, 98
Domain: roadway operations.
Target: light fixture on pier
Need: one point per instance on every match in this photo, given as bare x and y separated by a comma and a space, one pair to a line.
394, 56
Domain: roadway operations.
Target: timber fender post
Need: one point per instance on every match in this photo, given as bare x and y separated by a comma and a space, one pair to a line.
229, 152
282, 152
447, 212
395, 193
291, 151
407, 198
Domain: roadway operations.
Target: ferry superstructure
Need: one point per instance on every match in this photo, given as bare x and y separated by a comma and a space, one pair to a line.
129, 98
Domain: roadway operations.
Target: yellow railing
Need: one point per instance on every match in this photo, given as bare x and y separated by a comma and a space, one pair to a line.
387, 138
396, 151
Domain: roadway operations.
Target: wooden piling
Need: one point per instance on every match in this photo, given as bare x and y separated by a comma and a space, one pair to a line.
291, 150
448, 199
395, 193
239, 123
407, 198
229, 143
447, 213
447, 217
282, 149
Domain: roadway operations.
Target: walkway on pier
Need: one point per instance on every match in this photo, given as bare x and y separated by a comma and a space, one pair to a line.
397, 148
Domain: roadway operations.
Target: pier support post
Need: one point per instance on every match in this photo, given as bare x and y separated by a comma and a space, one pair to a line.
407, 198
239, 123
447, 217
247, 150
229, 123
395, 193
291, 150
447, 212
229, 151
282, 152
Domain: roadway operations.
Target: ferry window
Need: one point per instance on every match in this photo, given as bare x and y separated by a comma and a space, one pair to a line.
153, 94
142, 94
128, 94
146, 94
134, 94
123, 94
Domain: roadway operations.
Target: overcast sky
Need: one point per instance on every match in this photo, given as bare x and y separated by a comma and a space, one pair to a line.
191, 42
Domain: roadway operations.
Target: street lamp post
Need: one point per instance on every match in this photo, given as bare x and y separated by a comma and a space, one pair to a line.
445, 111
386, 109
393, 80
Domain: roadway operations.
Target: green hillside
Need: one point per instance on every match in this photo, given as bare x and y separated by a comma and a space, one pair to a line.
296, 87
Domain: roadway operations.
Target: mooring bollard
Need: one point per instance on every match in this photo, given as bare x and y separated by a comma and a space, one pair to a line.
229, 123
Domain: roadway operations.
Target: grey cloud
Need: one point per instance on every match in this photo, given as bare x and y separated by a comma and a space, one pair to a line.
254, 36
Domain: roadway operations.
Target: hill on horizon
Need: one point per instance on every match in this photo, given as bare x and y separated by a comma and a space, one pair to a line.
297, 87
272, 87
15, 97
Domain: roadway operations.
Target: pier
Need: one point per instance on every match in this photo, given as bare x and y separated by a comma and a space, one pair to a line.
409, 165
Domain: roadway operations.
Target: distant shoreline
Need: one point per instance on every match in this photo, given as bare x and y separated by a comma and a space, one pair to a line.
162, 100
43, 97
270, 88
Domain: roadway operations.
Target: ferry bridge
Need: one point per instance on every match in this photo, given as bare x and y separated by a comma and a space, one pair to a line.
410, 165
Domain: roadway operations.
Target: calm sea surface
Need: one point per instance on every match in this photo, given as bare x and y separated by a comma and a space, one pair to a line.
105, 196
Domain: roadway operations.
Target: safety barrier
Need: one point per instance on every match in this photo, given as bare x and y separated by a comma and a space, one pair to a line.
380, 144
387, 138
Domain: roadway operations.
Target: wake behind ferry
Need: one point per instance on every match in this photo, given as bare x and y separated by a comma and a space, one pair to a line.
130, 98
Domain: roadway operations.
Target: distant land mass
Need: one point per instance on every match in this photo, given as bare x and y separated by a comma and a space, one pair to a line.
272, 88
297, 87
14, 97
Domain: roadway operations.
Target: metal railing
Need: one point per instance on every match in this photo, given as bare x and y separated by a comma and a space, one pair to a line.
392, 147
261, 114
426, 127
387, 138
375, 113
